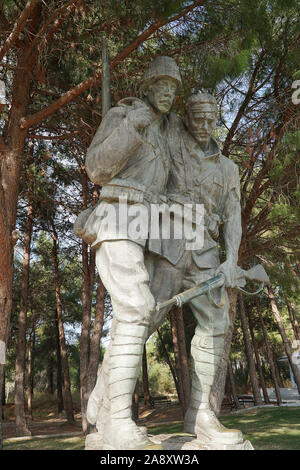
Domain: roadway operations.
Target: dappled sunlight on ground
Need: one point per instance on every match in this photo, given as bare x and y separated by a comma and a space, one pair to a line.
276, 428
267, 428
71, 443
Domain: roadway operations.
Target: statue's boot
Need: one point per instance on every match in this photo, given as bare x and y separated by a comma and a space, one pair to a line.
200, 419
98, 408
204, 423
121, 432
95, 399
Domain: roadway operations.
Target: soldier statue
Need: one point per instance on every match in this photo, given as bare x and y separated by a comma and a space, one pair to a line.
200, 174
129, 157
144, 154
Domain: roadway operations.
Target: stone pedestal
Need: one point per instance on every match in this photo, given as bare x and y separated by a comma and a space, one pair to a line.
93, 441
188, 442
173, 442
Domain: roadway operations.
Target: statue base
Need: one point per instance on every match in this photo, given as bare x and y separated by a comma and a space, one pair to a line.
189, 442
173, 442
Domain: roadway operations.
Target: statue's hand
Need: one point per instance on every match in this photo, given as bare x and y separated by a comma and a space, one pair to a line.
228, 268
140, 117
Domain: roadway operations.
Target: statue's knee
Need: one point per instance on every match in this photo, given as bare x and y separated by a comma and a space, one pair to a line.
144, 309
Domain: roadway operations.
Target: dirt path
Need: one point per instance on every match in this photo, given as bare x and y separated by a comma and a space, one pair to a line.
43, 427
160, 415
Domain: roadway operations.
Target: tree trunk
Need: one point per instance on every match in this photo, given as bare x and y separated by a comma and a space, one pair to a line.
232, 386
50, 375
217, 393
95, 343
277, 372
96, 336
60, 399
88, 277
181, 361
21, 425
3, 400
146, 391
291, 306
3, 397
169, 361
269, 354
184, 365
30, 385
294, 321
258, 363
285, 340
62, 341
174, 331
1, 409
249, 352
85, 335
10, 168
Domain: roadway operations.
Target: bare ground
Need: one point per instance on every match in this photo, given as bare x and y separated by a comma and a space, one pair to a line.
51, 423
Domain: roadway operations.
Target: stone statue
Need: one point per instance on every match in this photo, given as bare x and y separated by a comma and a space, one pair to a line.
129, 157
201, 174
144, 153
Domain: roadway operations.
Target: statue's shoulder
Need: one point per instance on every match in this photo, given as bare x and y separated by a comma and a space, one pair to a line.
122, 108
129, 103
230, 172
228, 165
116, 114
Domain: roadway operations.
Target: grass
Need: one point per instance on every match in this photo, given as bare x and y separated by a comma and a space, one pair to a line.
173, 428
267, 429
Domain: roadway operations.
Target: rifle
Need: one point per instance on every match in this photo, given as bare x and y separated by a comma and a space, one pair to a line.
257, 274
106, 100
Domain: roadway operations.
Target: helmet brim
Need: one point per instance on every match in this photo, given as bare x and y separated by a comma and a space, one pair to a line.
145, 83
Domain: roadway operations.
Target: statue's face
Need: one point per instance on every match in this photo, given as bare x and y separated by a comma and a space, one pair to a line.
161, 94
201, 121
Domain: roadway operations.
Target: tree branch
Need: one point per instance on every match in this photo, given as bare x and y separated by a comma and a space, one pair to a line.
18, 27
66, 9
3, 146
248, 96
29, 121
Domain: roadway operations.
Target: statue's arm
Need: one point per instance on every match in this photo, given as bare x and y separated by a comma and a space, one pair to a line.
232, 228
113, 144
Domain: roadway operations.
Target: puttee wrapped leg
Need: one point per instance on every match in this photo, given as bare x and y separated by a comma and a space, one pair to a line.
124, 366
206, 353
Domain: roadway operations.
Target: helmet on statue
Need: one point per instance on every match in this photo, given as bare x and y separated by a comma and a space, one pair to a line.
161, 67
